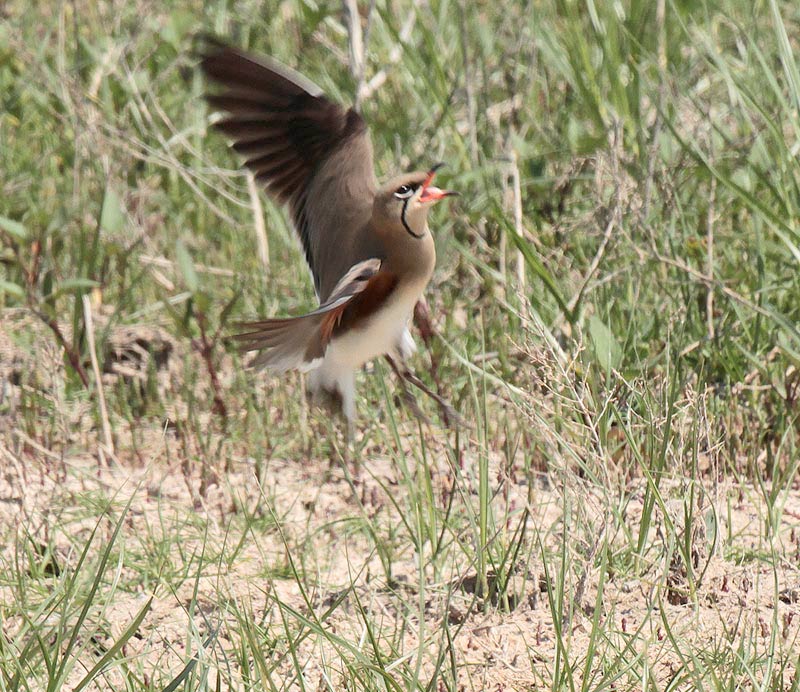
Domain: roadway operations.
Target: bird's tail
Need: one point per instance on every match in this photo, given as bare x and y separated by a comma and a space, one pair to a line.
284, 344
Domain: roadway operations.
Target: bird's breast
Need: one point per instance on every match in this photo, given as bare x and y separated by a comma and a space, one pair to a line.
377, 334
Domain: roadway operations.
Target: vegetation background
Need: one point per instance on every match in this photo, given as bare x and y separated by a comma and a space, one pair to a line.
616, 301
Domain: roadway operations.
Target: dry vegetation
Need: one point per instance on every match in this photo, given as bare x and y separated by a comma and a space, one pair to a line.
616, 310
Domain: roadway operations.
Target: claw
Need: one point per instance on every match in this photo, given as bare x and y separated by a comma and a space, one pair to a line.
451, 418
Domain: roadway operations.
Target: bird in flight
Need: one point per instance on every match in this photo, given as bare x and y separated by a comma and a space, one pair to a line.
368, 246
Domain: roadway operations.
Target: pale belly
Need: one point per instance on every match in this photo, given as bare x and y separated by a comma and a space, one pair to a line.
386, 332
381, 334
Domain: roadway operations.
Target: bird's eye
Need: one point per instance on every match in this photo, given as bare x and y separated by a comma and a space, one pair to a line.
404, 192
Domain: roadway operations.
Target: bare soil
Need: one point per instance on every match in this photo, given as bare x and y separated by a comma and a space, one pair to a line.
277, 539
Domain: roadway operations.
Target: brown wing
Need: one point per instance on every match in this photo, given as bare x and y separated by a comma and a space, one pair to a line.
309, 152
298, 342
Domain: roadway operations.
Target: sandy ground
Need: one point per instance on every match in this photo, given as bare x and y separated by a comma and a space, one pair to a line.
45, 498
277, 545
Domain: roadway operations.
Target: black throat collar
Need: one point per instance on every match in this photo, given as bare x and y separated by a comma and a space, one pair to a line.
418, 236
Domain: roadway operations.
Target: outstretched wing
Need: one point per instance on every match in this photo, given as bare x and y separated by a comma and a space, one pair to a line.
299, 342
309, 152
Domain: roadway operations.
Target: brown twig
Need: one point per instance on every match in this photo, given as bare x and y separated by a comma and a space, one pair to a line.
31, 278
206, 349
72, 355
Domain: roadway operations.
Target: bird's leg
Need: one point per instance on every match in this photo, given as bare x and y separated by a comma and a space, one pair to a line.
346, 388
422, 320
406, 395
449, 414
351, 457
337, 397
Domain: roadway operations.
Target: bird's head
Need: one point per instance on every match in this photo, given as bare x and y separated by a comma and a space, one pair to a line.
403, 202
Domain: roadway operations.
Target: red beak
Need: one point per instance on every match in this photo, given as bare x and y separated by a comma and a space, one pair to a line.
429, 192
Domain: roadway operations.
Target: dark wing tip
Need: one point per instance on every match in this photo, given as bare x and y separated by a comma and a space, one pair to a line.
226, 64
206, 44
213, 55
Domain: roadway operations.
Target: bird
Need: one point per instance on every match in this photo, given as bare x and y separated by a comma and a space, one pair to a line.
368, 246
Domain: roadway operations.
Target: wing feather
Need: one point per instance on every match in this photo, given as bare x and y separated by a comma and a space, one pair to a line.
299, 342
308, 151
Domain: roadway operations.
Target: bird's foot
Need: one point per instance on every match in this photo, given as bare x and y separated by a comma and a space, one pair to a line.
411, 403
450, 417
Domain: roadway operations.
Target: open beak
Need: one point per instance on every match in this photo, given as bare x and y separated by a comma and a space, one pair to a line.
431, 193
